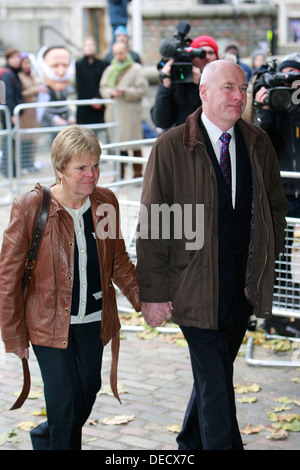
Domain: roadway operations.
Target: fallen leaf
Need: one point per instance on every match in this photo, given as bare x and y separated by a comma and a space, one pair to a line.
278, 409
276, 433
296, 380
247, 388
108, 391
250, 429
148, 333
115, 420
285, 400
27, 425
92, 422
32, 395
247, 400
41, 412
174, 428
278, 345
293, 426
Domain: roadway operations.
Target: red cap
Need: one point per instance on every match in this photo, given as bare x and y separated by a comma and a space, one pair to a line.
201, 41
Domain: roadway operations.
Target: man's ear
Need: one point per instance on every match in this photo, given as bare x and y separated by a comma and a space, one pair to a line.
202, 91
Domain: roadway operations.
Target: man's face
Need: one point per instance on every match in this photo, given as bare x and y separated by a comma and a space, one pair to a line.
120, 51
210, 57
224, 97
58, 60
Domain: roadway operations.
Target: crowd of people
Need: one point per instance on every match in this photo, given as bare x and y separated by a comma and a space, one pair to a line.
208, 154
53, 76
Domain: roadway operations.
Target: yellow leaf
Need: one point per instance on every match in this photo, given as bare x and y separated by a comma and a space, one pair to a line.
247, 400
285, 400
247, 388
174, 428
116, 420
41, 412
27, 425
296, 380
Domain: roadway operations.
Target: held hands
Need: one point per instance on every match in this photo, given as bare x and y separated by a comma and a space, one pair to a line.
156, 313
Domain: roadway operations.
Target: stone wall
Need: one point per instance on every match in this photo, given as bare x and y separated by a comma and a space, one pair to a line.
247, 25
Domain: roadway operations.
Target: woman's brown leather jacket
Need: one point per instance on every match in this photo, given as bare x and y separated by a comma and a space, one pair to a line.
41, 315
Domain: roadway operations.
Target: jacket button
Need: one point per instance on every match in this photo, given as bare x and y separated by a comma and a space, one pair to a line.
66, 309
64, 343
69, 278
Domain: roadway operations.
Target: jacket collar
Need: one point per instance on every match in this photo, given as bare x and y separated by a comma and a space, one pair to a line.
193, 136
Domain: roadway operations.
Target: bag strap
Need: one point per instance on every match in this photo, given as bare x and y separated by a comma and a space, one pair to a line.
29, 265
37, 235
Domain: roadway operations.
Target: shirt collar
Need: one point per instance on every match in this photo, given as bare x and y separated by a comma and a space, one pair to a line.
214, 132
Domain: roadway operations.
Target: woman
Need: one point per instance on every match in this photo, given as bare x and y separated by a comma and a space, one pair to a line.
30, 91
69, 309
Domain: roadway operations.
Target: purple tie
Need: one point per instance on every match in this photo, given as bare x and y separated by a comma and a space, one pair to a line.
225, 163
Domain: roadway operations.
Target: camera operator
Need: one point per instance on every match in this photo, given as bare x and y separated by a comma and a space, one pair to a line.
175, 101
282, 124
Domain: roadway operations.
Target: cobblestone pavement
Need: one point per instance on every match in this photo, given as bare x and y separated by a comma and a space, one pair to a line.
155, 382
155, 377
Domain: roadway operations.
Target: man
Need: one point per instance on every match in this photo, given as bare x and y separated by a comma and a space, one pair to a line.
121, 35
174, 102
210, 290
89, 71
233, 48
124, 80
56, 70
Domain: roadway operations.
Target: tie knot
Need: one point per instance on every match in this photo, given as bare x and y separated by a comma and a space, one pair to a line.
225, 138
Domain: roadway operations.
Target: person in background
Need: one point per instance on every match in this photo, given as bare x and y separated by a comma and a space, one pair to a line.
118, 13
125, 82
121, 35
13, 89
30, 92
233, 48
258, 60
56, 69
69, 310
174, 102
89, 71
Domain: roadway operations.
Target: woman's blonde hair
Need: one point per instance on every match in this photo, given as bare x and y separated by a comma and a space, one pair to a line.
73, 142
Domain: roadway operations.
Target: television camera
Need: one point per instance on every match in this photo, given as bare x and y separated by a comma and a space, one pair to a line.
279, 86
178, 47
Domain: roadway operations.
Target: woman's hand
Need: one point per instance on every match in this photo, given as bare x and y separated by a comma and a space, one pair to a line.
23, 353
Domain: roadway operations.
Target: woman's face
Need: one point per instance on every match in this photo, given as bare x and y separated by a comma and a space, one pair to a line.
14, 60
80, 177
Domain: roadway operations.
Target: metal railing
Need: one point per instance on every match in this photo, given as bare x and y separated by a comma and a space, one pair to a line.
286, 300
6, 157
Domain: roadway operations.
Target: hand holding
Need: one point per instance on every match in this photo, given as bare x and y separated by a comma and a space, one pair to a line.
156, 313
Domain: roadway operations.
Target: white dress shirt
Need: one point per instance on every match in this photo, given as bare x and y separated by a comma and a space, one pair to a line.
214, 133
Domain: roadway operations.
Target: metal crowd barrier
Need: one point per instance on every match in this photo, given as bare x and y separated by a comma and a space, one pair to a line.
33, 145
6, 157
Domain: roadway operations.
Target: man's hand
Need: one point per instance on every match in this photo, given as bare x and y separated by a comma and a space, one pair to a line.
261, 96
156, 313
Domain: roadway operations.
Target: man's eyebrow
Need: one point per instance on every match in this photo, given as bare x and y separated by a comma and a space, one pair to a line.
232, 83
